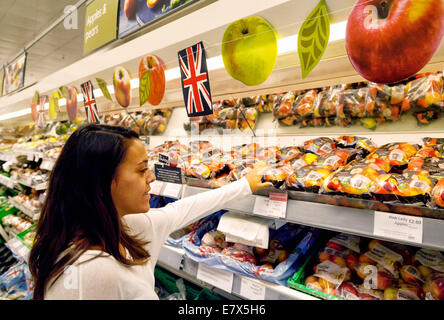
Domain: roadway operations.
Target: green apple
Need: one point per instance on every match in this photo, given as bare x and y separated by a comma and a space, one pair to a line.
249, 50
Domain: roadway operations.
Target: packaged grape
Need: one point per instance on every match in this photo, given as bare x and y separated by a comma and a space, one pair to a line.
304, 105
320, 146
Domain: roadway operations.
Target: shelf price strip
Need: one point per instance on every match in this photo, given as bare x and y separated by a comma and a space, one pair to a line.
219, 278
398, 227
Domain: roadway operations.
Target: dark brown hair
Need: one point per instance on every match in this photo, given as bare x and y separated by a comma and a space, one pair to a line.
78, 212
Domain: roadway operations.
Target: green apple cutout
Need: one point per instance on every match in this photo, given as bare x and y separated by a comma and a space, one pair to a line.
122, 86
249, 50
313, 38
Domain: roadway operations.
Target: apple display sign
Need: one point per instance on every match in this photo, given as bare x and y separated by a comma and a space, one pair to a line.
71, 103
122, 86
35, 101
156, 87
249, 50
388, 41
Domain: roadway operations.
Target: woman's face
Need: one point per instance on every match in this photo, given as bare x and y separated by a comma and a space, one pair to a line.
130, 187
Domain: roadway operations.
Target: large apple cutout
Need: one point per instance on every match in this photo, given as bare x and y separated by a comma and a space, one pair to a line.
71, 103
388, 41
34, 103
122, 86
249, 50
156, 68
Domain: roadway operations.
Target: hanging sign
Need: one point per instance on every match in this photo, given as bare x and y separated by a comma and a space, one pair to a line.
313, 38
34, 103
41, 121
195, 81
92, 114
2, 80
54, 105
100, 24
71, 102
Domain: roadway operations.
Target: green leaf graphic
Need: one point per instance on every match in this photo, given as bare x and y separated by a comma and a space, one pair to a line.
313, 38
64, 92
36, 98
104, 88
144, 87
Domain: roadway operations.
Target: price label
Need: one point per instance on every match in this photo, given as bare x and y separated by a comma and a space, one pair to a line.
252, 290
170, 258
156, 187
399, 227
219, 278
172, 190
275, 206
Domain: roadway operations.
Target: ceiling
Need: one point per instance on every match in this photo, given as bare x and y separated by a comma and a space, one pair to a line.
23, 20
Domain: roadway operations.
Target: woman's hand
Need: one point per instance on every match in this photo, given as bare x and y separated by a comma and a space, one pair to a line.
254, 178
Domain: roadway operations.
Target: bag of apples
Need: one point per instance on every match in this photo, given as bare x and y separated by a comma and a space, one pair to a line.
286, 251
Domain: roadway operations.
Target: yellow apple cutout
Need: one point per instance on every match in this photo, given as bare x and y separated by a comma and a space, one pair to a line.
249, 50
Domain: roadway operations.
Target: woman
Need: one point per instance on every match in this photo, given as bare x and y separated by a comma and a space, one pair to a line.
93, 240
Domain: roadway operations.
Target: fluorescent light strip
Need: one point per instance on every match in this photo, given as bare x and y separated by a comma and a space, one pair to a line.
285, 45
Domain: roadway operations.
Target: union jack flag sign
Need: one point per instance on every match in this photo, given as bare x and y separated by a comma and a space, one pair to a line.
195, 81
92, 115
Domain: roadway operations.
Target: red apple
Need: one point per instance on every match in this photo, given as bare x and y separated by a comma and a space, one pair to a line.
384, 281
352, 261
363, 258
129, 7
71, 103
335, 246
339, 261
122, 86
388, 41
156, 67
437, 289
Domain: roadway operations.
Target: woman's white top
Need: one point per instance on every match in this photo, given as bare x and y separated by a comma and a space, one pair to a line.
103, 277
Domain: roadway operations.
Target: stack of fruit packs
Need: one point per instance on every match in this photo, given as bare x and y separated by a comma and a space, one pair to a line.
30, 201
401, 172
15, 224
357, 268
359, 103
149, 122
230, 115
286, 251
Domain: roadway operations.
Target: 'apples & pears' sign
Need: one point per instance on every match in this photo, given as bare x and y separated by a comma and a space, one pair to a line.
100, 24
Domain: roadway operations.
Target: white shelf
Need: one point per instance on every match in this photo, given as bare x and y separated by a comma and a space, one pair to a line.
175, 260
33, 214
337, 218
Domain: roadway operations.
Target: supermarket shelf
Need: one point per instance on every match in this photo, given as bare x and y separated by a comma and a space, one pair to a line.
3, 233
30, 154
349, 220
19, 248
187, 269
10, 183
8, 156
33, 214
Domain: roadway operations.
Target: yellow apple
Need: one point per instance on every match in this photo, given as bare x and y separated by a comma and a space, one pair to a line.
249, 50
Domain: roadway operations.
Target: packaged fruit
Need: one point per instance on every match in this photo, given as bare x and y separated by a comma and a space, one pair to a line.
285, 106
337, 158
428, 141
308, 178
331, 276
304, 160
413, 187
438, 194
277, 175
304, 105
320, 146
352, 103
